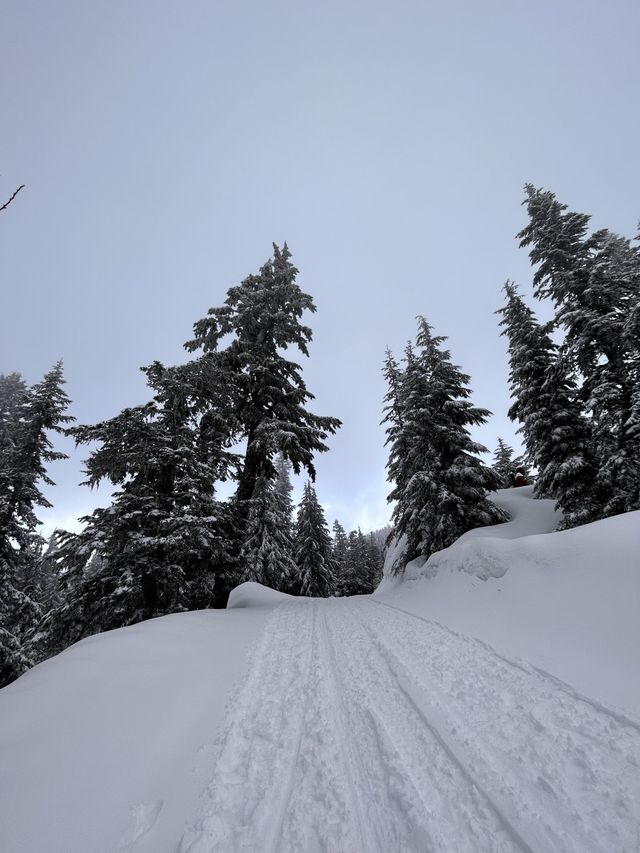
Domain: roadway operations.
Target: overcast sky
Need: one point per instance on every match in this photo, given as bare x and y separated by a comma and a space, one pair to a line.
165, 146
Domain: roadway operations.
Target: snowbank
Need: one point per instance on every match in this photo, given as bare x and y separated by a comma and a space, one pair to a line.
110, 743
252, 594
567, 602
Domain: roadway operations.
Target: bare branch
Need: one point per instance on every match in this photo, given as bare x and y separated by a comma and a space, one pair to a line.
7, 203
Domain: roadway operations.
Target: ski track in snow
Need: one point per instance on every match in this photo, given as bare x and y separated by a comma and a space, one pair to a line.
364, 729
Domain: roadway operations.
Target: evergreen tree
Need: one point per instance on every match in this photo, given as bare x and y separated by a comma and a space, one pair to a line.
27, 417
262, 316
594, 283
504, 464
340, 546
357, 562
163, 545
267, 551
555, 433
313, 548
364, 563
375, 562
283, 491
397, 435
440, 483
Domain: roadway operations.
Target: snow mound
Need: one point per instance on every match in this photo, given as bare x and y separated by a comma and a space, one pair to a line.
489, 551
251, 594
567, 602
481, 551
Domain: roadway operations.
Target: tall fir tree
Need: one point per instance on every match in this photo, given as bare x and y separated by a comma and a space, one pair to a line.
163, 545
440, 482
262, 317
27, 417
556, 435
340, 546
593, 281
313, 548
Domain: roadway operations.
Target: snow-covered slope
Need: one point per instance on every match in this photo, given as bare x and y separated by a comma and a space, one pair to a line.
107, 740
567, 602
443, 713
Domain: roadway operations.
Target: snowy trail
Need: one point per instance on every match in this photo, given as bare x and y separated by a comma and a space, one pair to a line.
363, 729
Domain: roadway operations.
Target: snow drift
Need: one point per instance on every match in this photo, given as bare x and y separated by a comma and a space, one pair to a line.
251, 594
567, 602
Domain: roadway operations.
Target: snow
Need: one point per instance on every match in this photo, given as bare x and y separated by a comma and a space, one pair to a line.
109, 743
487, 702
251, 594
567, 602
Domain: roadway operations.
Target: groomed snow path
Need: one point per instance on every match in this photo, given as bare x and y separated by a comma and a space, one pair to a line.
362, 728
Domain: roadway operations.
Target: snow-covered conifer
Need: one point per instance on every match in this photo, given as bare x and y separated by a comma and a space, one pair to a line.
266, 555
594, 283
262, 316
440, 482
556, 435
163, 544
313, 548
283, 490
504, 464
340, 545
27, 416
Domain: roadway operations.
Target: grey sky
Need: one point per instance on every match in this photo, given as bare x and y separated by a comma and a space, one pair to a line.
166, 145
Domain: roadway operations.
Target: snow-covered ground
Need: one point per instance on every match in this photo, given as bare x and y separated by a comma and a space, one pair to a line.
109, 737
567, 602
489, 702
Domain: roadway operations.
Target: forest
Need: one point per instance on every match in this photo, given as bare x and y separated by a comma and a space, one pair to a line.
237, 412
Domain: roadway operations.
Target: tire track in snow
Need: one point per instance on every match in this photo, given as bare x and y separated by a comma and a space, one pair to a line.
261, 739
430, 801
523, 666
565, 768
363, 729
356, 776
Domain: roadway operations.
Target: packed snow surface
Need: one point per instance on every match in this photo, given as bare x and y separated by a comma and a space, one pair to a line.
380, 731
476, 706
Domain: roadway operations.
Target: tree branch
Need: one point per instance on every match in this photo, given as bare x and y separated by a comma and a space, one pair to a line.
7, 203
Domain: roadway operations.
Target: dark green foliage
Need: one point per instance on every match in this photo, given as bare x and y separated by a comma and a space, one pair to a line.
340, 555
503, 464
313, 548
440, 483
163, 544
262, 316
556, 435
510, 470
166, 544
593, 281
27, 417
364, 560
267, 553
